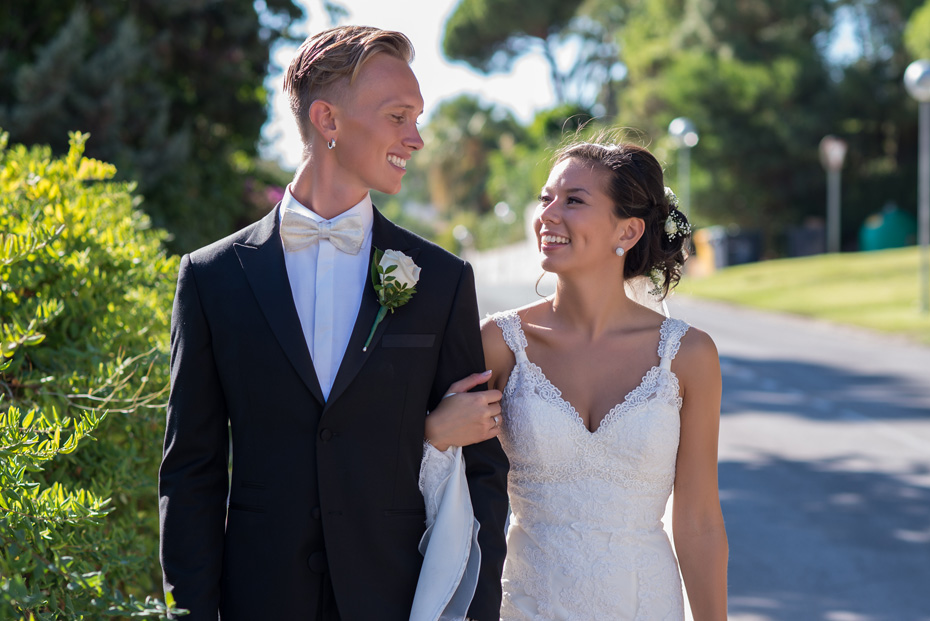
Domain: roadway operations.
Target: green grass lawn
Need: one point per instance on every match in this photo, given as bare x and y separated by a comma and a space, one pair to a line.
878, 290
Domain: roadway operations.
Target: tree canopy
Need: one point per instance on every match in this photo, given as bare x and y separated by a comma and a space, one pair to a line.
917, 35
171, 91
490, 34
762, 81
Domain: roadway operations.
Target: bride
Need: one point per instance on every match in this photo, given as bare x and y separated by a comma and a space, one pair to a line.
608, 407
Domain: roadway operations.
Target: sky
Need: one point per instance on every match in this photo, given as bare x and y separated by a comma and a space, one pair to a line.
525, 90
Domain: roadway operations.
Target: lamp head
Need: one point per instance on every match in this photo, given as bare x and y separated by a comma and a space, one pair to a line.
917, 80
683, 132
832, 152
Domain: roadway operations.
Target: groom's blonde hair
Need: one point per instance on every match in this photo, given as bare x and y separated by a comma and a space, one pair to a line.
329, 61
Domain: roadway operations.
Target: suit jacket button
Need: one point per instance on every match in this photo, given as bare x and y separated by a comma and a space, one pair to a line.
315, 513
326, 435
317, 562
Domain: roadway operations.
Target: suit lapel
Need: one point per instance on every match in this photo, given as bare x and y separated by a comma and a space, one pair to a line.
384, 235
262, 260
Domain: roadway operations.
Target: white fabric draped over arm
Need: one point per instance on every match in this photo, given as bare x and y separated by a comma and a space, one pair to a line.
451, 557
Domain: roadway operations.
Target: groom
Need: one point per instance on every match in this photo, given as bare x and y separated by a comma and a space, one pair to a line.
272, 382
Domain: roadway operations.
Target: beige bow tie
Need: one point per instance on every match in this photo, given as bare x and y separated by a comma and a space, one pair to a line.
299, 230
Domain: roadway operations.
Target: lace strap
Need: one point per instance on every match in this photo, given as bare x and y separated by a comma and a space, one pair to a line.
509, 323
670, 340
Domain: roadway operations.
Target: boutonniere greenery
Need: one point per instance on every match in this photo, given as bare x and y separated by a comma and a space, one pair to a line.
394, 276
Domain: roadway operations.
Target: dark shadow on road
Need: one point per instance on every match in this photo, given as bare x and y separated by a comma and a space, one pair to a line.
820, 392
854, 547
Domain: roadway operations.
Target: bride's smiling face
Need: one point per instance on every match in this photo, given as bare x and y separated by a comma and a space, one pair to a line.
575, 222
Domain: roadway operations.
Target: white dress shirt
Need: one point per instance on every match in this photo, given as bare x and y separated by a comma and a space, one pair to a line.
327, 285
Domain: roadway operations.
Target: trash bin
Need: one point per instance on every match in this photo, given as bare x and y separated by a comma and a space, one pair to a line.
808, 239
742, 246
890, 228
710, 251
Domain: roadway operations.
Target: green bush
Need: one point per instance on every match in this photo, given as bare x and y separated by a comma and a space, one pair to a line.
85, 299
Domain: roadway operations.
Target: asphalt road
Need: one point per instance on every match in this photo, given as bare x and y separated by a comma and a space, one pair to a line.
824, 459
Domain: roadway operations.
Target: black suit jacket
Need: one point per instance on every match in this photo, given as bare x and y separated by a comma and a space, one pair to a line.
317, 487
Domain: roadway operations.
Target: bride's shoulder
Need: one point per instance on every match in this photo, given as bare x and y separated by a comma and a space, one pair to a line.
697, 354
501, 337
498, 357
696, 342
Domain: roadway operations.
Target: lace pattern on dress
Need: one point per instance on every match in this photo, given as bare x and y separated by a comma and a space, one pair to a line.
586, 538
509, 323
670, 337
434, 468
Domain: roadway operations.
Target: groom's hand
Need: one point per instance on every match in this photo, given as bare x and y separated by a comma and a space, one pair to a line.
463, 417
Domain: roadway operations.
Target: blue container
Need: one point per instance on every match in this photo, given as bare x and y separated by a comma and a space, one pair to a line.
891, 228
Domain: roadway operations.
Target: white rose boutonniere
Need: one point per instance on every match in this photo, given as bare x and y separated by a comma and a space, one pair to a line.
394, 276
401, 268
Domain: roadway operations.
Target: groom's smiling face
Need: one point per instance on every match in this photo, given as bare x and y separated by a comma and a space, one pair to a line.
377, 124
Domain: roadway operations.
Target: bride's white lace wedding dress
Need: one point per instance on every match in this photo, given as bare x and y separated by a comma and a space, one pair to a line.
586, 540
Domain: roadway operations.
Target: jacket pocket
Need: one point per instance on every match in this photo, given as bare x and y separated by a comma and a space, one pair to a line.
408, 340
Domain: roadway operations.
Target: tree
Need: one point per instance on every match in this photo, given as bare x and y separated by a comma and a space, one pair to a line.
760, 84
490, 34
171, 90
749, 78
917, 34
471, 161
84, 313
458, 140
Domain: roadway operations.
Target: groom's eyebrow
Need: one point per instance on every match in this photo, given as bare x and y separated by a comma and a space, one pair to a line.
392, 102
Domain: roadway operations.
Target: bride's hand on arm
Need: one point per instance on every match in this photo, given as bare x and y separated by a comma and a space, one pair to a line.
463, 417
697, 521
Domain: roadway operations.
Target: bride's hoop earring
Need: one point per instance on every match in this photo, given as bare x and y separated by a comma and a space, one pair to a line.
620, 251
331, 144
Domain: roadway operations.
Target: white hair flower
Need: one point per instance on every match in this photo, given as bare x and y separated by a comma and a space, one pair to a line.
657, 277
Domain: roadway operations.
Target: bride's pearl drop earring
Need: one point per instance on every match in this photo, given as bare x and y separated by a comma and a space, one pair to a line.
620, 251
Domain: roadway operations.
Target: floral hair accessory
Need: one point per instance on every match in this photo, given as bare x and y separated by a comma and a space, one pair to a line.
657, 277
675, 225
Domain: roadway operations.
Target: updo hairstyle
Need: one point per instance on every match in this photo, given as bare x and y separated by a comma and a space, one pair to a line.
635, 184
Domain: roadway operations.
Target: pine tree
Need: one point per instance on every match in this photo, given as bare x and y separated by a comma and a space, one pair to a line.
171, 92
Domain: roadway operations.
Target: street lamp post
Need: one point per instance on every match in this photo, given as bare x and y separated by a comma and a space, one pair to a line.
685, 135
832, 154
917, 83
